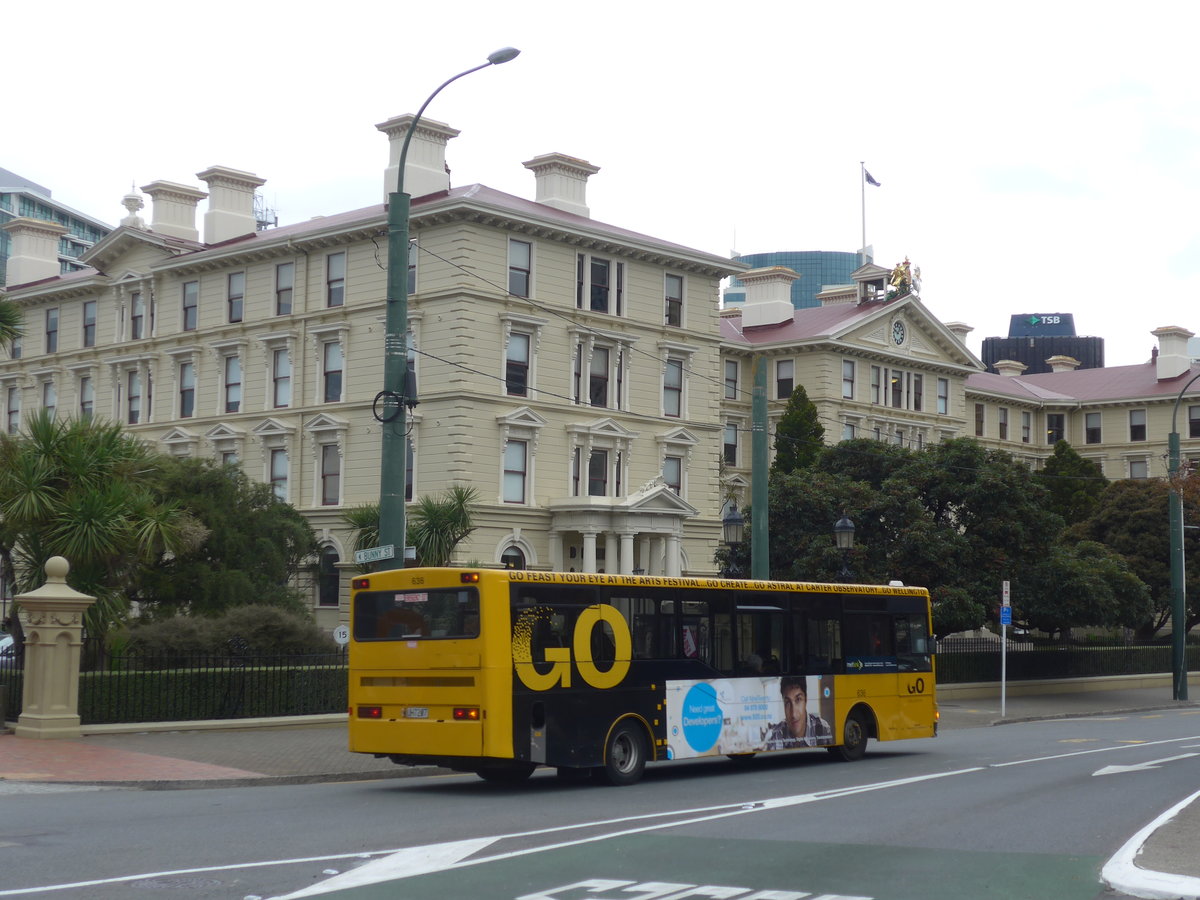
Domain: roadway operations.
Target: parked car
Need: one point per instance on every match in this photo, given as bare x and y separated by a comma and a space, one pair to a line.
8, 645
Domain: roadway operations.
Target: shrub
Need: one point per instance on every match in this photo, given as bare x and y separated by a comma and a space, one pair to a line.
264, 629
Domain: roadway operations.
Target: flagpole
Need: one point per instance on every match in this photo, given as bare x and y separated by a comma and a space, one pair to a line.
862, 186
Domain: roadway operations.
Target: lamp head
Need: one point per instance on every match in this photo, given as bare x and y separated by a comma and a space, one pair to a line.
843, 533
733, 526
503, 55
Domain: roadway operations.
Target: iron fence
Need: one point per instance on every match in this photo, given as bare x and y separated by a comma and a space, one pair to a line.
163, 687
961, 660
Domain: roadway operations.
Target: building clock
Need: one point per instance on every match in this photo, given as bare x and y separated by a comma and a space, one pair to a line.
898, 332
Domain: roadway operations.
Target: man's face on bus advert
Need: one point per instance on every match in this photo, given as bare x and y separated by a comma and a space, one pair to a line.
795, 709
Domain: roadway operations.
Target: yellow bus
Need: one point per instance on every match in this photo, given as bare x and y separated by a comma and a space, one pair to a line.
500, 671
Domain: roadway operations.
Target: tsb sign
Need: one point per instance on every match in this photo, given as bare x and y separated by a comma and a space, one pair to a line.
533, 620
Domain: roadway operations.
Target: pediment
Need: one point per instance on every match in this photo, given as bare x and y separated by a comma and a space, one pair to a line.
272, 426
178, 436
128, 247
657, 497
325, 422
523, 417
921, 336
606, 427
679, 436
223, 430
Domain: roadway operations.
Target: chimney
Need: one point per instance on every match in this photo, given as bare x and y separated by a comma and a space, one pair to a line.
1173, 359
1062, 363
1010, 368
562, 181
230, 203
425, 170
174, 209
960, 330
34, 253
768, 296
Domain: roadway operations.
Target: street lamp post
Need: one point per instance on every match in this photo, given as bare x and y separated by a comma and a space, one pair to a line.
843, 534
1179, 674
733, 531
391, 403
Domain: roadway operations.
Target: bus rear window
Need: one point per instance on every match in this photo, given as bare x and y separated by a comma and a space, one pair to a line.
416, 615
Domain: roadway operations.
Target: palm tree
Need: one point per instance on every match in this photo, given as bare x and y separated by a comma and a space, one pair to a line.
436, 525
85, 490
11, 321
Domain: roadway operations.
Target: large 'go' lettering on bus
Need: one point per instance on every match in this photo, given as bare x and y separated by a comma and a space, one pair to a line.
560, 658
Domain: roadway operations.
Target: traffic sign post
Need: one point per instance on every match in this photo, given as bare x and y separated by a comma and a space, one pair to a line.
1005, 621
387, 551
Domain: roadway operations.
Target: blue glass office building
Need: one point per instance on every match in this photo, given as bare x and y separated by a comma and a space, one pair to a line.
817, 269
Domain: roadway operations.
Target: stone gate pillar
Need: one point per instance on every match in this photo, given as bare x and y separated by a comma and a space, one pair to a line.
53, 640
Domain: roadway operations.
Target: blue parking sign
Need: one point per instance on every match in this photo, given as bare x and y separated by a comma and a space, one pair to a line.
1006, 615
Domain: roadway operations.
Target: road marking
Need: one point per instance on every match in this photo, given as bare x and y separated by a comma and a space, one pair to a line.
1021, 762
361, 876
1141, 767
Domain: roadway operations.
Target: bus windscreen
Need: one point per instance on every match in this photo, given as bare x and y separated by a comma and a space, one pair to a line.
417, 615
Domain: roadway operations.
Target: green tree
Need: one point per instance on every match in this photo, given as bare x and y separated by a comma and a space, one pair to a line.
1131, 519
1073, 484
956, 518
1079, 585
799, 435
249, 546
90, 492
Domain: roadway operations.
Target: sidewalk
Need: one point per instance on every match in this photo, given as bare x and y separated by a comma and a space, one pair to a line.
1160, 861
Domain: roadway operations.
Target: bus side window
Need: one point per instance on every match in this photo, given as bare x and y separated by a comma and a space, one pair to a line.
824, 648
694, 639
722, 659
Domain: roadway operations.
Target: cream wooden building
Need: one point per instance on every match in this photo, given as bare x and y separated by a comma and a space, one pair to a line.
566, 368
889, 370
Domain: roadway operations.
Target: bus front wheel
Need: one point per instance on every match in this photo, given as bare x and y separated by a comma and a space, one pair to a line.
513, 773
854, 738
624, 756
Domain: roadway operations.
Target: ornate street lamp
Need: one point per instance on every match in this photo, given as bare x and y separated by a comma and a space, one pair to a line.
843, 534
733, 531
390, 403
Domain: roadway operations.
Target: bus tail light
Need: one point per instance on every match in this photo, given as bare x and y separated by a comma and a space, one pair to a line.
469, 577
370, 712
360, 584
466, 714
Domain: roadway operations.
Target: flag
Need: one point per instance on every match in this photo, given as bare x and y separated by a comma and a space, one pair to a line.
871, 180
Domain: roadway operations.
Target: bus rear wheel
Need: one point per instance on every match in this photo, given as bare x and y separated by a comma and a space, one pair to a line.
854, 738
513, 773
624, 756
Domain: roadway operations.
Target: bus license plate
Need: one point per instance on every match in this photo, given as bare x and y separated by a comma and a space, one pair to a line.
416, 712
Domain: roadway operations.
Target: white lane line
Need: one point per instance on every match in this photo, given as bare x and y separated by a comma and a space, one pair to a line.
1121, 873
387, 870
1021, 762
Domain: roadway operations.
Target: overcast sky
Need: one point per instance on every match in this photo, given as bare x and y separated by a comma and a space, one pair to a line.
1034, 157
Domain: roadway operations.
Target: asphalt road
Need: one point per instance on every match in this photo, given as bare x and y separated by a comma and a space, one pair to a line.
1025, 810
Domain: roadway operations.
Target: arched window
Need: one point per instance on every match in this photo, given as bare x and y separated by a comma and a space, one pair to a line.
513, 558
328, 581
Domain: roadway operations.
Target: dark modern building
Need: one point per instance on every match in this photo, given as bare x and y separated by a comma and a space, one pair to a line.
817, 269
1034, 338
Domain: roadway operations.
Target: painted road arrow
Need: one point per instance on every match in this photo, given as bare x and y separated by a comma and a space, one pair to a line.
1152, 764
